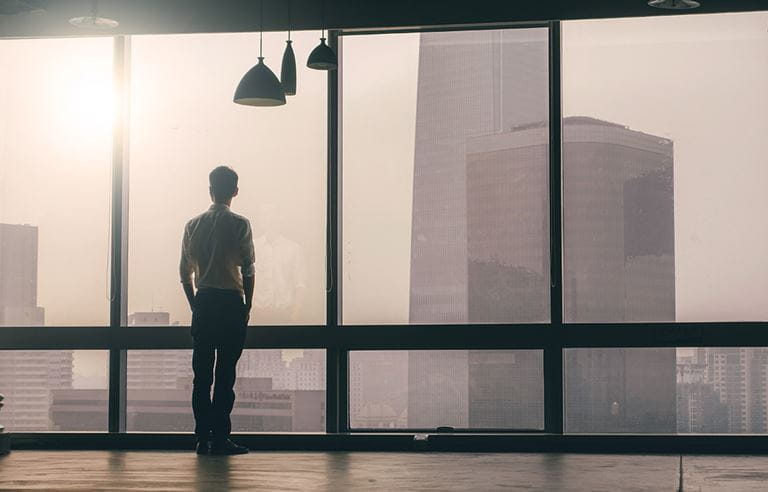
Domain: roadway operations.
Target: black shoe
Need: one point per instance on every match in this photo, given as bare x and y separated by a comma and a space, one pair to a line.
227, 447
203, 446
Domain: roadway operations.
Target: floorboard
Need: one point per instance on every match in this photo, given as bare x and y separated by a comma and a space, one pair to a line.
341, 471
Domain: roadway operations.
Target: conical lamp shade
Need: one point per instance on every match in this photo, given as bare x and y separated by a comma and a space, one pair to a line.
260, 87
322, 57
288, 70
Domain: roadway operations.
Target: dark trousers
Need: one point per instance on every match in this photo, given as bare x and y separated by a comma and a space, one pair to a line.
218, 329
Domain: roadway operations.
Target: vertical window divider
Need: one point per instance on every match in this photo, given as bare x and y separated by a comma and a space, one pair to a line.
121, 62
336, 352
553, 350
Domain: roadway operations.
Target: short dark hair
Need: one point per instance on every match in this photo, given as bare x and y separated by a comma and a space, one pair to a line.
223, 182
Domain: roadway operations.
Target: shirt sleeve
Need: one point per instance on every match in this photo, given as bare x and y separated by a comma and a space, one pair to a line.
186, 268
247, 255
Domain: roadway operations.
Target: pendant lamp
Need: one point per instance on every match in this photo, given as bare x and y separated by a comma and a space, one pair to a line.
322, 57
288, 69
674, 4
260, 86
94, 21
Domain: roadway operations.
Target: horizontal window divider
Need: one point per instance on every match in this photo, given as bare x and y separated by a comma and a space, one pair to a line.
443, 337
507, 442
152, 337
708, 334
402, 337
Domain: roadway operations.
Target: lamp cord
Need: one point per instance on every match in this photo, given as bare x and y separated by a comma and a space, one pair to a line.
289, 20
261, 26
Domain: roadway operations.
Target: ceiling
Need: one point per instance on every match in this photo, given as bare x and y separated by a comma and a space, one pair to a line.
188, 16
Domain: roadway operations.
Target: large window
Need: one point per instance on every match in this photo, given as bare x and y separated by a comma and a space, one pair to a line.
55, 160
276, 391
463, 389
180, 131
445, 177
664, 171
447, 219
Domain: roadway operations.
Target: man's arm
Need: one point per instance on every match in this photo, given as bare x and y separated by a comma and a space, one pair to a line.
248, 265
248, 289
186, 270
189, 291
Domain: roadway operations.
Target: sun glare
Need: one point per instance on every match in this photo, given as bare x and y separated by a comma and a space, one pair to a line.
90, 105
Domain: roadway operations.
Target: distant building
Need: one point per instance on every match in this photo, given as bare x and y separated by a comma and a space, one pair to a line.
159, 388
505, 389
699, 409
18, 276
479, 241
258, 408
618, 266
438, 388
738, 376
378, 389
618, 224
470, 84
154, 369
620, 390
26, 376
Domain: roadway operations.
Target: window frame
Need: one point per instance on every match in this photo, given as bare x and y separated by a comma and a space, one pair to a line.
337, 339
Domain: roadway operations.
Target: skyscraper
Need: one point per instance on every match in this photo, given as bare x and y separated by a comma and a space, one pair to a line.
18, 276
470, 83
479, 243
26, 377
480, 237
739, 376
618, 265
618, 223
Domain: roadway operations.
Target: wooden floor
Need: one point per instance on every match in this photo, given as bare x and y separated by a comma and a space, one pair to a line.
340, 471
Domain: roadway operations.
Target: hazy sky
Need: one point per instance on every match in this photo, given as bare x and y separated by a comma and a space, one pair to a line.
699, 80
379, 129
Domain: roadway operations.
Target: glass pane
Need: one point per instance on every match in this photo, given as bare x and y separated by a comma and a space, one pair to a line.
55, 160
180, 132
54, 390
445, 182
666, 390
276, 391
664, 169
464, 389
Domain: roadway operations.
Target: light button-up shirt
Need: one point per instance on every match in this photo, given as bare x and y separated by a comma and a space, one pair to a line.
217, 250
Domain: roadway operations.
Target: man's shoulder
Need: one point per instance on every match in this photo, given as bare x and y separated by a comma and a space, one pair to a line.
197, 218
240, 218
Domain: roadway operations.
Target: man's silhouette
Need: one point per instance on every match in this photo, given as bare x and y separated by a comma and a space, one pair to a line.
217, 250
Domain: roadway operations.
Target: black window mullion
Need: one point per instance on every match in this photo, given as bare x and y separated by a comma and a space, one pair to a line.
335, 356
117, 356
553, 349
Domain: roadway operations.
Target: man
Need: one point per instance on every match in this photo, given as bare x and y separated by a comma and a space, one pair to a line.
217, 249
